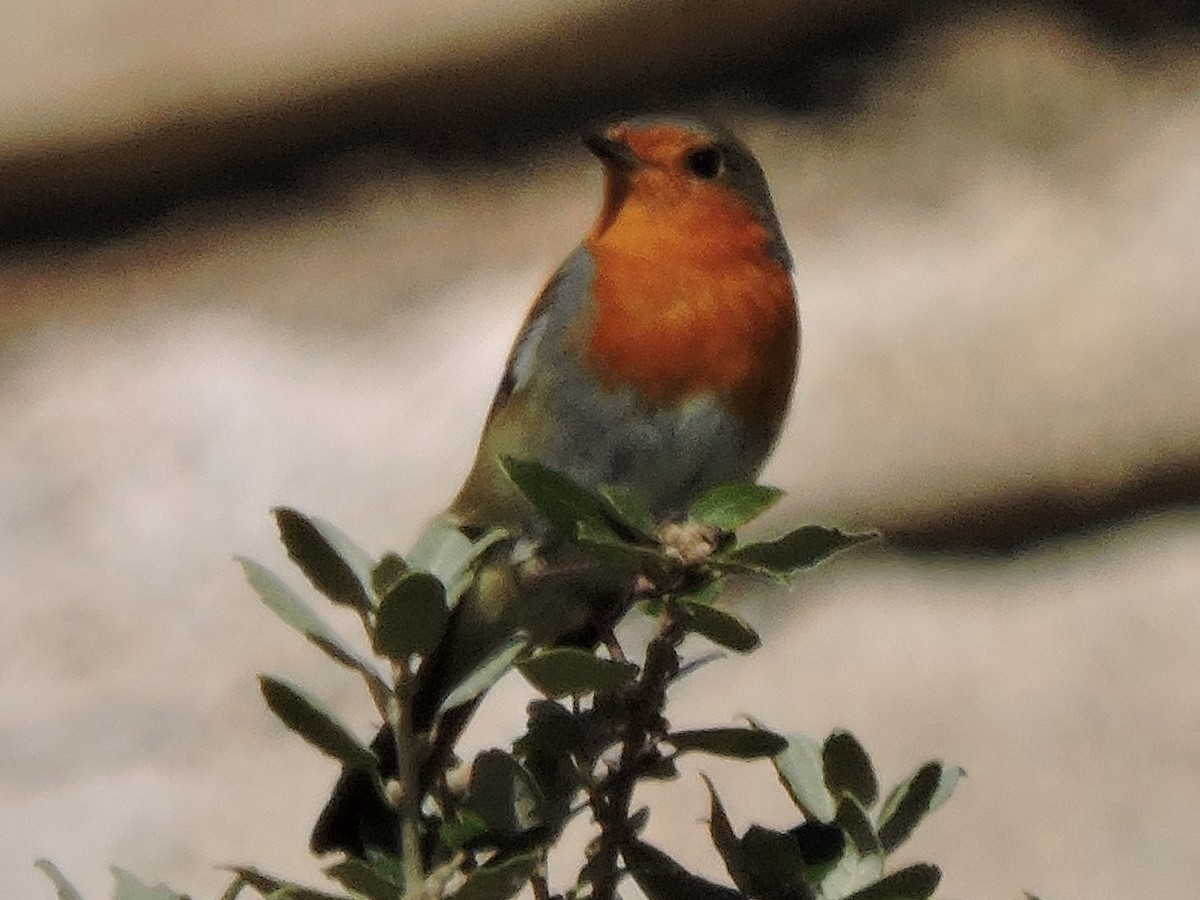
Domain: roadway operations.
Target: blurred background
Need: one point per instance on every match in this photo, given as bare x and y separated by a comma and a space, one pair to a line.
260, 253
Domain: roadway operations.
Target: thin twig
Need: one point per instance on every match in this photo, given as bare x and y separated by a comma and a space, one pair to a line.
615, 651
611, 802
408, 768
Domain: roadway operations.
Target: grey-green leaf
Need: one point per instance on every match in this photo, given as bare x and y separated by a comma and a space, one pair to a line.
285, 602
631, 509
725, 840
310, 719
444, 551
706, 592
271, 885
362, 878
412, 616
917, 882
662, 878
951, 775
129, 887
504, 794
801, 771
291, 608
563, 502
390, 569
621, 558
463, 830
499, 882
569, 671
64, 888
774, 864
733, 743
336, 566
851, 872
487, 673
913, 799
848, 768
731, 506
796, 550
722, 628
853, 819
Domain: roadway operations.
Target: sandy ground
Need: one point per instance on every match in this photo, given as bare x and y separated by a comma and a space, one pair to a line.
997, 264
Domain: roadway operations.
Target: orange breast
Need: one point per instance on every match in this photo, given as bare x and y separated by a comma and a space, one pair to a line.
689, 301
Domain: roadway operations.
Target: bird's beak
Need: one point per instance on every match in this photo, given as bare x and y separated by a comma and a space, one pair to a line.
615, 155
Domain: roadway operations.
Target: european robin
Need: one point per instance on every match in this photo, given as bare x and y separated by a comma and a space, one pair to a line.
659, 358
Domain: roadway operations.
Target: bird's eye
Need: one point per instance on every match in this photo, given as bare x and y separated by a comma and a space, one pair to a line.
706, 163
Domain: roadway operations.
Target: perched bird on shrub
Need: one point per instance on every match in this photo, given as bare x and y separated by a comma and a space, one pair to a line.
659, 358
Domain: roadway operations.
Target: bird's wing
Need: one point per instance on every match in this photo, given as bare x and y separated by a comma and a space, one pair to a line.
518, 423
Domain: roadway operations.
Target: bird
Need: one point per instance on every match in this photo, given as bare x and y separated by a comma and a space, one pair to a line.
659, 358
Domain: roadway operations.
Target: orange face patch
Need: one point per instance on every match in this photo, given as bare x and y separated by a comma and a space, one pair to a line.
688, 299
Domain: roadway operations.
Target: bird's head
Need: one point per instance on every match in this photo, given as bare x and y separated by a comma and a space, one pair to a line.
663, 169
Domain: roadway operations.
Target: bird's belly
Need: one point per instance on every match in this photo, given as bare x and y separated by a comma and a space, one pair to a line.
667, 455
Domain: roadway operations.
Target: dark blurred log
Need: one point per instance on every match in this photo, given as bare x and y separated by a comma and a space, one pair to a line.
496, 98
484, 100
1018, 519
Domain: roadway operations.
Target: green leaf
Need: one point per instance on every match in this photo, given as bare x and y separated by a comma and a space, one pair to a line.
268, 885
335, 565
288, 605
853, 819
494, 666
913, 799
801, 772
631, 509
504, 794
722, 628
661, 878
444, 551
821, 846
310, 719
130, 887
551, 731
564, 503
774, 864
464, 831
726, 841
796, 550
499, 882
557, 747
731, 506
390, 569
362, 878
569, 671
916, 882
412, 616
706, 593
596, 534
848, 768
621, 560
733, 743
387, 865
64, 888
